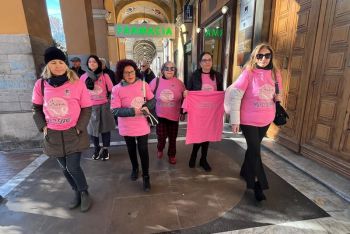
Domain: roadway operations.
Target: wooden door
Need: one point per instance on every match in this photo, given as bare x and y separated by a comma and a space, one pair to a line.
293, 37
326, 132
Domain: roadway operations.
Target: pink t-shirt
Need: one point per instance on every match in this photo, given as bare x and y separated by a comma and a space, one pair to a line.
207, 83
99, 93
205, 116
257, 106
169, 97
131, 96
61, 105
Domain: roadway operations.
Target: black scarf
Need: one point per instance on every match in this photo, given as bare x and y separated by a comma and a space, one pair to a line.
268, 67
57, 81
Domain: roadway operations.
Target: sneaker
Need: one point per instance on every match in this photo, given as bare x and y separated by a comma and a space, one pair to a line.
160, 154
172, 160
96, 154
104, 154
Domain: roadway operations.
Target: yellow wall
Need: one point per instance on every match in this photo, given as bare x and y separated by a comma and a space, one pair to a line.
12, 18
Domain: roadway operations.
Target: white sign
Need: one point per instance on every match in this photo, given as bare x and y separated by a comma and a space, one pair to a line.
246, 14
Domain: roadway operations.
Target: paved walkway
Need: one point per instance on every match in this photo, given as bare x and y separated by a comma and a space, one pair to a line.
182, 200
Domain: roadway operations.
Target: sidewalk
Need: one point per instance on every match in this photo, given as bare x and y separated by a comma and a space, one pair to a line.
182, 200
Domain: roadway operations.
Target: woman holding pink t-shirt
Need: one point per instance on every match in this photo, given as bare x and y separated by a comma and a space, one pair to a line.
61, 110
206, 79
168, 91
252, 107
131, 100
101, 122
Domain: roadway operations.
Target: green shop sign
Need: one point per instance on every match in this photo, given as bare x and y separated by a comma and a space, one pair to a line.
213, 32
145, 30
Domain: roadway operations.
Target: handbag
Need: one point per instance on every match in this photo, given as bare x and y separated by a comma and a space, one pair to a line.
151, 117
281, 115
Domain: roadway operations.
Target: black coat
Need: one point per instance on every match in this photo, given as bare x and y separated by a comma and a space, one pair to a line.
148, 75
195, 81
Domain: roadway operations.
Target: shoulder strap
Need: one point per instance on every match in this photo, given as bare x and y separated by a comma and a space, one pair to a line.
157, 84
42, 86
277, 89
144, 89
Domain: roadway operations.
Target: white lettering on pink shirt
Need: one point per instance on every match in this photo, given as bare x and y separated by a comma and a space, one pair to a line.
61, 105
169, 97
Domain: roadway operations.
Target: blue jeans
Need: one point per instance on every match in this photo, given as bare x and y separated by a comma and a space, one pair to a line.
73, 171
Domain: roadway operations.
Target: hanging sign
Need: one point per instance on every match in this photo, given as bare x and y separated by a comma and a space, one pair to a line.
145, 30
188, 14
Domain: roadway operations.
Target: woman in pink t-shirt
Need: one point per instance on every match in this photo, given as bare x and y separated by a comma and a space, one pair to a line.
204, 78
101, 122
168, 91
252, 107
62, 109
131, 100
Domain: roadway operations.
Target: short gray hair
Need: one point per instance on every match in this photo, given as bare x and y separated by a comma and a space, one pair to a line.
164, 65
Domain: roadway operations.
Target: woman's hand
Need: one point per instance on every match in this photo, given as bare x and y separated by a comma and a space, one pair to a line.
185, 93
182, 117
45, 130
235, 128
78, 131
145, 110
278, 98
138, 111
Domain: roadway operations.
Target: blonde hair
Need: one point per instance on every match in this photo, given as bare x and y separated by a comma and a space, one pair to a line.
46, 74
250, 65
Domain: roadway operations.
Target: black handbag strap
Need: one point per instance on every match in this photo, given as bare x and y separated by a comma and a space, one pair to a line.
157, 84
42, 87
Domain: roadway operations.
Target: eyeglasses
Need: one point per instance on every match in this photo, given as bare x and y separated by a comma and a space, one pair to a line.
143, 65
206, 60
267, 56
169, 68
128, 73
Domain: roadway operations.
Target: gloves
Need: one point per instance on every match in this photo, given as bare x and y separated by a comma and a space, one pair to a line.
89, 83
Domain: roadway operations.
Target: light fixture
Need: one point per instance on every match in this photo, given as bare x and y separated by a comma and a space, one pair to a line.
198, 30
108, 15
224, 9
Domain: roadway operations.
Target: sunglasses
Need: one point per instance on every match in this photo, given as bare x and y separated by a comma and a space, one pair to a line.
267, 56
169, 68
143, 65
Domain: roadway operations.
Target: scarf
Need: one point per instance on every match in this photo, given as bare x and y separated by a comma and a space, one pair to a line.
57, 81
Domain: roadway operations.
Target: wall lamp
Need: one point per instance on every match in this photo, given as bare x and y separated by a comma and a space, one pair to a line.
224, 9
198, 30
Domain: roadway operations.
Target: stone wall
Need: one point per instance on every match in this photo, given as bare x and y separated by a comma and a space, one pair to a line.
17, 77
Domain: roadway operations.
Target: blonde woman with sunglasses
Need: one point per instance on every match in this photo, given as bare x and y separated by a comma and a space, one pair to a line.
252, 108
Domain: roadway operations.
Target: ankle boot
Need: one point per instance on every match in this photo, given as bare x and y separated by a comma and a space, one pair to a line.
192, 162
85, 201
258, 192
134, 174
204, 164
146, 184
76, 201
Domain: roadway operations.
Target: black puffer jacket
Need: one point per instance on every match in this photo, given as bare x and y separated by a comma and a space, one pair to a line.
195, 81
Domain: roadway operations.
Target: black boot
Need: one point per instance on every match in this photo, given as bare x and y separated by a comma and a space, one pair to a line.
146, 184
192, 162
204, 164
258, 192
85, 201
134, 174
76, 200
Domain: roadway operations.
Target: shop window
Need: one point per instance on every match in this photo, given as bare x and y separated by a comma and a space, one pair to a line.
213, 34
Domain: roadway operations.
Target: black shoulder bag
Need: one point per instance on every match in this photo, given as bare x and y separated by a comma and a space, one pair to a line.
152, 117
281, 115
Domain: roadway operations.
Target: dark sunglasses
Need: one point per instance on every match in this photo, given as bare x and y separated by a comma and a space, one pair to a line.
267, 56
143, 66
169, 68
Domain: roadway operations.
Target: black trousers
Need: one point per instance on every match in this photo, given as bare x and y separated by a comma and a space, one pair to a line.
73, 172
142, 146
252, 166
106, 140
204, 145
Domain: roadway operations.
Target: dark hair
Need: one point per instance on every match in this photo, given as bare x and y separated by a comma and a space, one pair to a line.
164, 65
96, 59
212, 71
124, 63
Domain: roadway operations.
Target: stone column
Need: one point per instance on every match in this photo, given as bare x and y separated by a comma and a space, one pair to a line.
78, 28
23, 38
